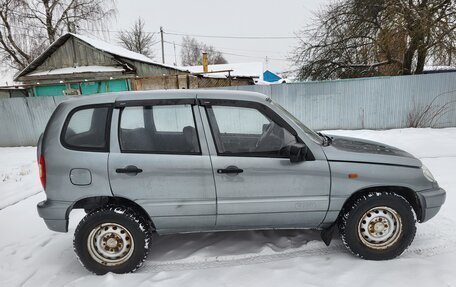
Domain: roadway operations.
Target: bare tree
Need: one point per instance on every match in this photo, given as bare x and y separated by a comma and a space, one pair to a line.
192, 53
358, 38
136, 39
27, 27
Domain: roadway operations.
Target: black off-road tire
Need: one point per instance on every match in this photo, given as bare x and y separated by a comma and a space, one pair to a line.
351, 218
138, 227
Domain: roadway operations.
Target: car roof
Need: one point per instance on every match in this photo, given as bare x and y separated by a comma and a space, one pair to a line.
165, 94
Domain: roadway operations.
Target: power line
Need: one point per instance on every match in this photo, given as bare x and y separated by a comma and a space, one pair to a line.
89, 30
257, 57
249, 50
238, 55
191, 35
162, 32
242, 50
206, 36
222, 49
234, 37
112, 31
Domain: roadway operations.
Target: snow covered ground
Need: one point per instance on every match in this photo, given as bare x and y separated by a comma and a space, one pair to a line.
31, 255
18, 175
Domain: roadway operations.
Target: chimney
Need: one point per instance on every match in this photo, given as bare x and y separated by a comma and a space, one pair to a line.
205, 64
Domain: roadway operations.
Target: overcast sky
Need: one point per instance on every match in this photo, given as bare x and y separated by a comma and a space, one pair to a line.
224, 18
238, 18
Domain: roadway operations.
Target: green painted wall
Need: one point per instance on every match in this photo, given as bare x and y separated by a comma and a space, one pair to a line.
86, 88
52, 90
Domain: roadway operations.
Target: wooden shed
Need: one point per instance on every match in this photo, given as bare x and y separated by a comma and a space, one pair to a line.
76, 64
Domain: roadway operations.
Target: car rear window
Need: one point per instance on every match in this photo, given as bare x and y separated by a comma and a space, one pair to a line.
86, 129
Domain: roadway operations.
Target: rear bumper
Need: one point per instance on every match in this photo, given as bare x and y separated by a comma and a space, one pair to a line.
54, 214
430, 201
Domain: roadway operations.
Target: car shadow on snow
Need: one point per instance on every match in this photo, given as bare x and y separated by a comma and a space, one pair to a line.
216, 249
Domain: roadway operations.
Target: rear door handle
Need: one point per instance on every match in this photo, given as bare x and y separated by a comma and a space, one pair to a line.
230, 170
129, 169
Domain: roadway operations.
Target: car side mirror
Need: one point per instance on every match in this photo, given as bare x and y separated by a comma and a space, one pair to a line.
296, 152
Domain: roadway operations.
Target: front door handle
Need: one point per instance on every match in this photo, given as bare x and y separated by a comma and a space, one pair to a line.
230, 170
129, 169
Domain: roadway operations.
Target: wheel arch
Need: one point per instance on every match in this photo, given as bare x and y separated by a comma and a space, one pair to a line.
91, 203
407, 193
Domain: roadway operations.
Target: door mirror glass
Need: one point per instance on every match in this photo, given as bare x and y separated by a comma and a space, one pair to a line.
296, 152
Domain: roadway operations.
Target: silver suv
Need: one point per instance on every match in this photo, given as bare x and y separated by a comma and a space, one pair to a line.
192, 161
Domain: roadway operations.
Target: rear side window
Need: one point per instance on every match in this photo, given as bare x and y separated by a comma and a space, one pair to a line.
166, 129
86, 129
172, 118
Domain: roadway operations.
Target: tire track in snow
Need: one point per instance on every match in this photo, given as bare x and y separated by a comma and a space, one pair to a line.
192, 263
27, 279
196, 263
13, 202
431, 240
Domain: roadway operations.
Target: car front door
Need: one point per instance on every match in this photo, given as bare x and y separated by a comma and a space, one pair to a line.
159, 159
257, 185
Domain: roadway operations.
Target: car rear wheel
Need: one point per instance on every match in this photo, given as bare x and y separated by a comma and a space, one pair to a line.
378, 226
112, 239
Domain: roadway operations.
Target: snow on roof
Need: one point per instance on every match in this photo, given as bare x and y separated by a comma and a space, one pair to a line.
120, 51
254, 70
439, 68
6, 78
97, 44
78, 70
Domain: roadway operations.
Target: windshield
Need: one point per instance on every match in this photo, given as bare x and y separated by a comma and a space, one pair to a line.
311, 133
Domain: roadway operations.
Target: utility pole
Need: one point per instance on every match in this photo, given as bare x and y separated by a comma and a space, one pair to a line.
175, 57
163, 44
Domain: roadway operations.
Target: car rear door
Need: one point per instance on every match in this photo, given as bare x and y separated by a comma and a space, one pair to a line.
256, 185
159, 158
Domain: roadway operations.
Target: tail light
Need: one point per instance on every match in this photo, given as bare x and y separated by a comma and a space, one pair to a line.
42, 168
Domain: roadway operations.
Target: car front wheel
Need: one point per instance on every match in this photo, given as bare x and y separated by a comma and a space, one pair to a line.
112, 239
378, 226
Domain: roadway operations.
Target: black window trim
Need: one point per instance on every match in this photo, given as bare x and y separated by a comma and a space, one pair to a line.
161, 102
263, 109
155, 102
106, 148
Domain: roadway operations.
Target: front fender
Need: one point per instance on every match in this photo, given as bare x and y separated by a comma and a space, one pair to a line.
369, 176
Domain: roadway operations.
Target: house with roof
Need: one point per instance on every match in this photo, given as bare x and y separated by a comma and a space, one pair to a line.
80, 65
252, 70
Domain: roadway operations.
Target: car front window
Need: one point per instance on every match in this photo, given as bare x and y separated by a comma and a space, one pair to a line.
246, 131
